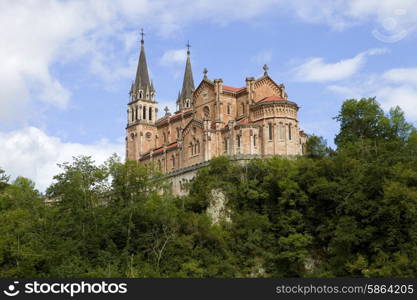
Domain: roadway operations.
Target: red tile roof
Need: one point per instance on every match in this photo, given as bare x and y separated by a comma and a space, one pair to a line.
244, 121
165, 118
179, 113
232, 89
272, 98
172, 145
158, 149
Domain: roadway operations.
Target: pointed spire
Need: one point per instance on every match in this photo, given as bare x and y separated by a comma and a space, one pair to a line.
142, 76
188, 82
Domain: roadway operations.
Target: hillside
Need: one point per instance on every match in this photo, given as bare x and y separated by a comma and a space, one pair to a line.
349, 211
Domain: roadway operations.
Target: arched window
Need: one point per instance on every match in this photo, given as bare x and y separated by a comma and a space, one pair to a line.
206, 112
150, 113
270, 131
140, 94
132, 113
136, 113
191, 149
178, 132
144, 113
173, 161
197, 147
187, 103
289, 132
229, 109
238, 141
165, 137
254, 140
281, 131
225, 145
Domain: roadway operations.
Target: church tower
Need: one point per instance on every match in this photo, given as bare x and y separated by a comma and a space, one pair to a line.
184, 100
142, 111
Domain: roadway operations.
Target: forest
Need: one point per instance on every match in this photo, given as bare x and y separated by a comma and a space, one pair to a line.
350, 211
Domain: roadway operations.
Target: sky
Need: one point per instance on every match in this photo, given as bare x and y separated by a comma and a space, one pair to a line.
66, 66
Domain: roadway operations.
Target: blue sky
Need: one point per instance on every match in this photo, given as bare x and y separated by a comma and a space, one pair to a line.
67, 66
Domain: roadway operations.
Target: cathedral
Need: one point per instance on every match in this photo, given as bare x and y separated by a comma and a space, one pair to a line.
212, 119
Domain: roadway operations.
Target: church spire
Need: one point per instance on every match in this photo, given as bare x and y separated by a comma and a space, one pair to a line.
142, 82
188, 82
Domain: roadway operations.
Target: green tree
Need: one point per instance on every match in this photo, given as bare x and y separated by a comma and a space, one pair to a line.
359, 120
344, 212
316, 147
22, 252
4, 179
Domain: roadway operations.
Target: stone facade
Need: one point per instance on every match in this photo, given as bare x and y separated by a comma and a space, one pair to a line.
213, 119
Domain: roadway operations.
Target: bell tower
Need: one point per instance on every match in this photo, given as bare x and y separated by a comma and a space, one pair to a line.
141, 112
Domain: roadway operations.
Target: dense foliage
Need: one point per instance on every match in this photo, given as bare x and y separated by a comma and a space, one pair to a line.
345, 212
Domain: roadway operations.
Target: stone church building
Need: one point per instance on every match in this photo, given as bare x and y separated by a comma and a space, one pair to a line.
212, 119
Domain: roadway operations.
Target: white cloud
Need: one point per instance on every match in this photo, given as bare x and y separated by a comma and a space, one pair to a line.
316, 69
391, 88
401, 90
174, 57
31, 33
403, 75
37, 35
31, 153
112, 70
391, 18
404, 96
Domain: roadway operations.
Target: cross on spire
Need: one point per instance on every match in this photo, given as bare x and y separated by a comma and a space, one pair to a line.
188, 47
166, 109
142, 34
265, 69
